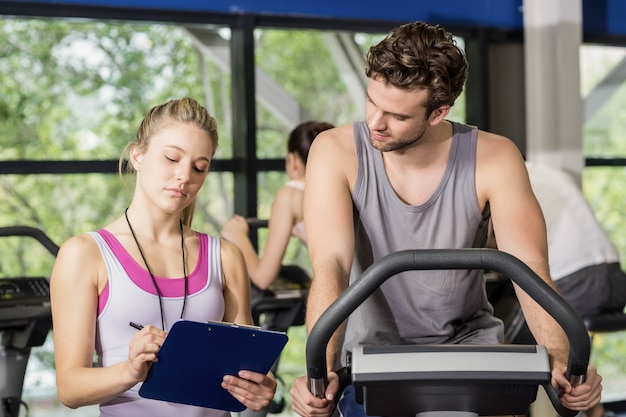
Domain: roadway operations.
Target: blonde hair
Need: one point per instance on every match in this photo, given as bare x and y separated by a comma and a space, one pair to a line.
184, 110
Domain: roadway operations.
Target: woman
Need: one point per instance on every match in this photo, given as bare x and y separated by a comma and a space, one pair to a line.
286, 218
149, 266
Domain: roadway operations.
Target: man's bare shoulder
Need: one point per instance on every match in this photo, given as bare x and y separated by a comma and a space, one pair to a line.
493, 145
497, 158
340, 136
484, 135
333, 155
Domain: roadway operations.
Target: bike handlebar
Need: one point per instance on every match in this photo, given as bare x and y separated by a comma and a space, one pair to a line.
442, 259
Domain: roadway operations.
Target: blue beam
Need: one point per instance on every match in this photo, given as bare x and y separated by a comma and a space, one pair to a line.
604, 17
600, 17
504, 14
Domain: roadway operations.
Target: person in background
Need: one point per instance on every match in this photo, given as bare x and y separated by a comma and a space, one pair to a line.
286, 219
149, 266
584, 263
408, 178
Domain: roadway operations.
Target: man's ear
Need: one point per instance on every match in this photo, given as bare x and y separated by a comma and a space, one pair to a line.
438, 115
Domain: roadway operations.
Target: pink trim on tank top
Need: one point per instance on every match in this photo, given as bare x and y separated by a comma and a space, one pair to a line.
169, 287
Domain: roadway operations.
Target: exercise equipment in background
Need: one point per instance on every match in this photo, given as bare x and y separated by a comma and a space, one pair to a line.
25, 321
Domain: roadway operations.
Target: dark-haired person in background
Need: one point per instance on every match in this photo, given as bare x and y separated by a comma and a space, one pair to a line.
286, 218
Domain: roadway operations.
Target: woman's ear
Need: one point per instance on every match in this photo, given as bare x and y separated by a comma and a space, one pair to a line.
136, 157
296, 162
292, 159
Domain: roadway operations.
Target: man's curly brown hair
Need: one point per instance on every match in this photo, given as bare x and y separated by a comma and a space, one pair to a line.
420, 56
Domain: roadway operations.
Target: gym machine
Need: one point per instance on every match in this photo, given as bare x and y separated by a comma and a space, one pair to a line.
448, 380
25, 321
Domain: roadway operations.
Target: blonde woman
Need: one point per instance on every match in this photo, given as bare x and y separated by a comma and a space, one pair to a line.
149, 266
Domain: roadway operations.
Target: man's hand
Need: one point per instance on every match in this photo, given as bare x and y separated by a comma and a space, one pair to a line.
581, 397
307, 405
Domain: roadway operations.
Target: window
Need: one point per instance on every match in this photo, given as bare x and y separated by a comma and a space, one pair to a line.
604, 92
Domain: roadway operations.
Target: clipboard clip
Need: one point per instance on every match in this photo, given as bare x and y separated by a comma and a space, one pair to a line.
236, 325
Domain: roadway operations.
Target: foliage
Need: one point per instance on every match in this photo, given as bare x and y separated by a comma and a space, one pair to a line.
306, 72
77, 91
607, 355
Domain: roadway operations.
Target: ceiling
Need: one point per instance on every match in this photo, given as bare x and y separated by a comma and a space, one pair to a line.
601, 18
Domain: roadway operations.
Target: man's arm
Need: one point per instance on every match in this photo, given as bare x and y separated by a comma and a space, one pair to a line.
520, 230
519, 227
329, 224
330, 173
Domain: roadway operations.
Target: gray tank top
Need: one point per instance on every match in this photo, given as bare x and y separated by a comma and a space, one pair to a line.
418, 307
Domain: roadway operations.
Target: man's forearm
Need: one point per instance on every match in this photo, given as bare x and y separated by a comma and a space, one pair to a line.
546, 331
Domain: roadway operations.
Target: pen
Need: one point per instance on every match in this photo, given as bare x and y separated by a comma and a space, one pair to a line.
135, 325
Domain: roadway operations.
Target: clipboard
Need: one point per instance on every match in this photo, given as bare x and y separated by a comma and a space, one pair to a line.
195, 356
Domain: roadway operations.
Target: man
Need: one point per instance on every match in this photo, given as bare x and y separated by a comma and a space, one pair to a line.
407, 178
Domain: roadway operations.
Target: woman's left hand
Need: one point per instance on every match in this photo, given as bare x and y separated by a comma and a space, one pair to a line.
252, 389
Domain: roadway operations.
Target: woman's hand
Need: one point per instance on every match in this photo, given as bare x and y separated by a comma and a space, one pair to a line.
252, 389
142, 352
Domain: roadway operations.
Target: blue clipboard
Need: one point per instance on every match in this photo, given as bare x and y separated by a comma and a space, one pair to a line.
195, 356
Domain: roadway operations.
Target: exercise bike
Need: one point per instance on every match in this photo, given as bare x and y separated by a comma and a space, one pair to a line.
445, 380
25, 321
